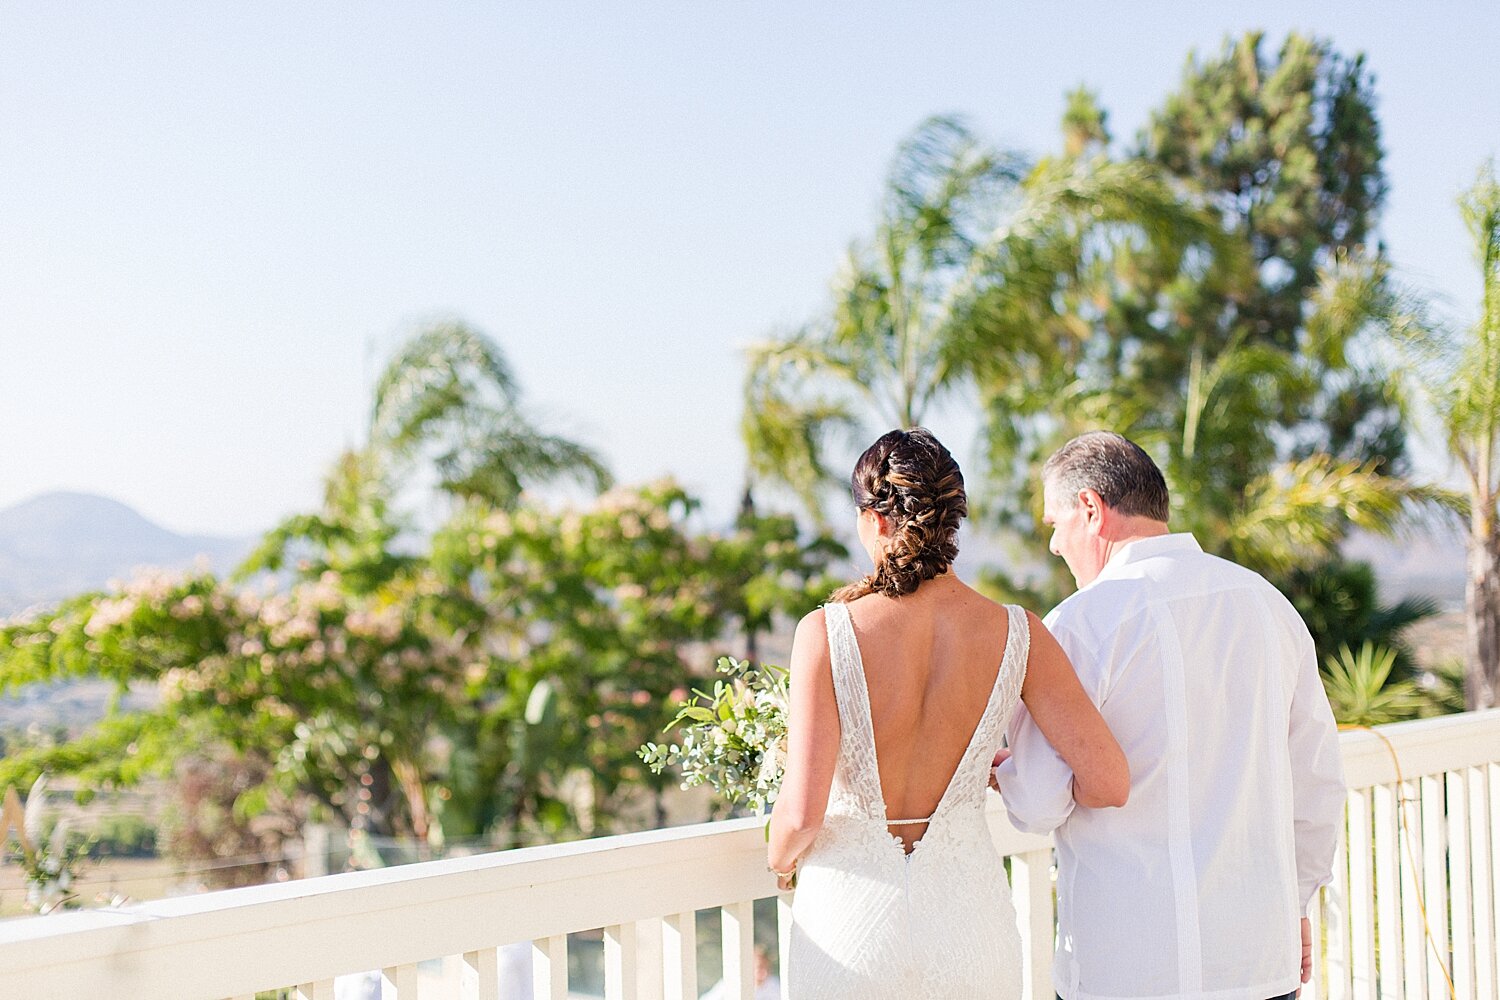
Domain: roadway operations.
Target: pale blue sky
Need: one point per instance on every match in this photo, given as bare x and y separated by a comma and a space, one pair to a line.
216, 218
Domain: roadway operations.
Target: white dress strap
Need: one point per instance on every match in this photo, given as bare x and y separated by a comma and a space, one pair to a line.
857, 733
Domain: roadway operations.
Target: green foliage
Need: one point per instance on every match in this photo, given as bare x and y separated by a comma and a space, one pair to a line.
1443, 687
225, 821
1256, 368
1361, 689
1340, 603
1301, 510
1287, 149
955, 285
491, 679
497, 685
601, 606
1210, 293
449, 396
124, 836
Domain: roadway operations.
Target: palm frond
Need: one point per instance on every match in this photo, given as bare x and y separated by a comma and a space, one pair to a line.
449, 396
442, 371
1360, 690
1353, 291
1296, 513
796, 404
1391, 619
505, 459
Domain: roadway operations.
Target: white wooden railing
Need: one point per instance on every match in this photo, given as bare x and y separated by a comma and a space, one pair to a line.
1417, 881
1413, 901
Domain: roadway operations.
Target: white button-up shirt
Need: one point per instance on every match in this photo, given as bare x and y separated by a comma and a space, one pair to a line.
1194, 888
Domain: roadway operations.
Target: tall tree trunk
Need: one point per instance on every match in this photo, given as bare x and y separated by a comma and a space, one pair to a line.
1482, 654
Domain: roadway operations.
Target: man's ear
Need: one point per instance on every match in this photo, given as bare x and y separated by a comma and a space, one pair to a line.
1093, 508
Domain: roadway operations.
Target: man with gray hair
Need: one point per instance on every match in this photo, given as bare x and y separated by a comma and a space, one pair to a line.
1199, 885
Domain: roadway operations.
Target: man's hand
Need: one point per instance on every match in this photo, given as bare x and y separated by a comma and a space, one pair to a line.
1306, 951
1000, 758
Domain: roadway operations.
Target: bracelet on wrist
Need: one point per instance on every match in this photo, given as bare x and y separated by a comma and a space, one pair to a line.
786, 874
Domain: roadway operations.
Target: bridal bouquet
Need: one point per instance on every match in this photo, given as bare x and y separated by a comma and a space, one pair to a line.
733, 739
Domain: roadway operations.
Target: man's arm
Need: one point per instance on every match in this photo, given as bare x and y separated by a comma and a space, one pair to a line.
1035, 781
1317, 770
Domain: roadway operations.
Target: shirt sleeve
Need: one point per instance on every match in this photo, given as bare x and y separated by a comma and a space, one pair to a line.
1035, 782
1317, 770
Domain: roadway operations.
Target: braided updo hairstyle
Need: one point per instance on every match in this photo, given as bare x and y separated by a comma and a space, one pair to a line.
911, 479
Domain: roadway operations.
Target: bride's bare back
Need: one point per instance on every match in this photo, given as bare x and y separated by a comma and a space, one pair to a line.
930, 659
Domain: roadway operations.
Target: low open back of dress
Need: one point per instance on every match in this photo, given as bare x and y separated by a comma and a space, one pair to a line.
874, 920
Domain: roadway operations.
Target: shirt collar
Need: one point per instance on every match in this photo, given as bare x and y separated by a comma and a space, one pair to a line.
1145, 548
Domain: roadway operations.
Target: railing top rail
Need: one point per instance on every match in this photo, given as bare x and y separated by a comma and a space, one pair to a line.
1420, 747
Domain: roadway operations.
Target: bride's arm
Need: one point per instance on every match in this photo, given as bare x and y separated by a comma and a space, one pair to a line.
812, 747
1061, 709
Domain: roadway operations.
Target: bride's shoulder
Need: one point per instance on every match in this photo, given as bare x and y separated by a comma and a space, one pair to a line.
810, 643
815, 620
812, 631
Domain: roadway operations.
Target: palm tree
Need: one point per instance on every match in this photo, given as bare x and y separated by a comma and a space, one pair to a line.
1362, 691
448, 395
956, 285
1460, 375
1220, 423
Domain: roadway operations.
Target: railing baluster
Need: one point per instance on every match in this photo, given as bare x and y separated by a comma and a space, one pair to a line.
1461, 908
402, 979
485, 964
784, 941
1388, 892
1481, 865
650, 983
620, 963
679, 937
1031, 889
1435, 882
1494, 861
321, 989
1494, 887
1414, 939
549, 968
1335, 906
739, 950
1361, 895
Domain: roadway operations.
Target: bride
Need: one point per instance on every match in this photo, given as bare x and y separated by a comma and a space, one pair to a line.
901, 688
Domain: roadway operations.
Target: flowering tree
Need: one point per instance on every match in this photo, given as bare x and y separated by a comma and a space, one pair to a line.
497, 684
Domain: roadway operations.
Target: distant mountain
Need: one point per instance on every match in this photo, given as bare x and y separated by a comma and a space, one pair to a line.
59, 544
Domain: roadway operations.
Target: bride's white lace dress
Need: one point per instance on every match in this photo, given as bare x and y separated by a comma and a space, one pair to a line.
872, 922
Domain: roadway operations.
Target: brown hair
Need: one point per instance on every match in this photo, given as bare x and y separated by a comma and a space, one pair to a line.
1114, 467
911, 479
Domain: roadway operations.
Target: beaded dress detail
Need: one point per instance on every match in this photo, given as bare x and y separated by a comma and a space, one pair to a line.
871, 921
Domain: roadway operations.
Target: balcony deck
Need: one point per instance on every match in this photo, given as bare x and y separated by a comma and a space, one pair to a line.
1416, 905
